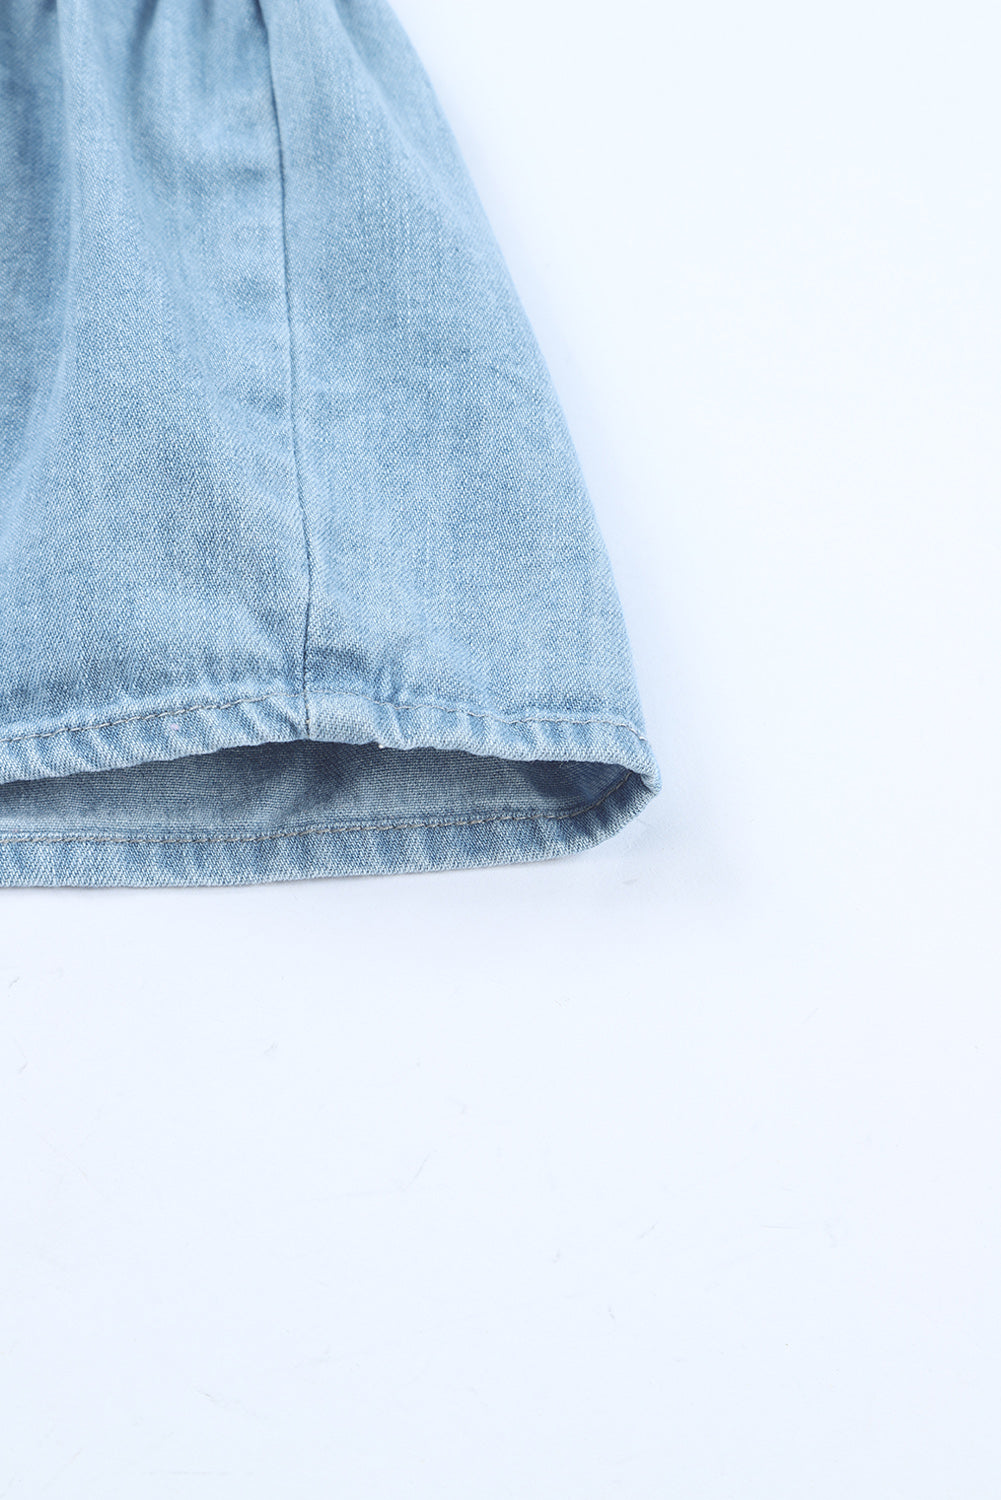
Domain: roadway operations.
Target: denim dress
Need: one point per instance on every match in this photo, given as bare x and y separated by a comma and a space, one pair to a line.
298, 573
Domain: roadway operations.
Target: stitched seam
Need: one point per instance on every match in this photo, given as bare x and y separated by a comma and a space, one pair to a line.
166, 713
291, 378
470, 713
257, 838
195, 708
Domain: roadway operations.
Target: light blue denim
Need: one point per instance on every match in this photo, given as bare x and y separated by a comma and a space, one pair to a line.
298, 573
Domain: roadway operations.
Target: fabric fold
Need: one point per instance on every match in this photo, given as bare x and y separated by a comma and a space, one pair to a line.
298, 572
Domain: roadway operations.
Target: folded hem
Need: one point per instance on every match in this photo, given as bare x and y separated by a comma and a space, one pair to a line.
217, 856
307, 853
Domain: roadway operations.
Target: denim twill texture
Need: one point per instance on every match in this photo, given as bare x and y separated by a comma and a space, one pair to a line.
298, 573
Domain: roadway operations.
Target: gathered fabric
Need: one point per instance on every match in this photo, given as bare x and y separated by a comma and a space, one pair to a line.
298, 572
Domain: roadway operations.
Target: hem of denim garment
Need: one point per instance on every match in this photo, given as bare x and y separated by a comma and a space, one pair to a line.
305, 854
219, 857
138, 733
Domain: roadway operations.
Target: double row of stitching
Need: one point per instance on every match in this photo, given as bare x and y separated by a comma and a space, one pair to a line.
472, 713
177, 713
165, 713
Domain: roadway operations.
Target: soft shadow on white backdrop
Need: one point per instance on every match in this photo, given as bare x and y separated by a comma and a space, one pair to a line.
670, 1169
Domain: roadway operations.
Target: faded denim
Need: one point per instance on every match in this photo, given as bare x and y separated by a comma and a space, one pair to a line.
298, 573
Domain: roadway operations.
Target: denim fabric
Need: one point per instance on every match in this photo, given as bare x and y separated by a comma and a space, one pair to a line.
298, 573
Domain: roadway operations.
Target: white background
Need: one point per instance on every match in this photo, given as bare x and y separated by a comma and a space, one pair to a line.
670, 1169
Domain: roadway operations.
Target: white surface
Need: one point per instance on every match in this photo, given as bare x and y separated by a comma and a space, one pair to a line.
668, 1170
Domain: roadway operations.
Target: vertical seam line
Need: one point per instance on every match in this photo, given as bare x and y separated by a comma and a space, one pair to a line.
291, 374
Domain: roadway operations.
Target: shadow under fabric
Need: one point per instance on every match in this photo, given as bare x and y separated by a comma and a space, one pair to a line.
298, 573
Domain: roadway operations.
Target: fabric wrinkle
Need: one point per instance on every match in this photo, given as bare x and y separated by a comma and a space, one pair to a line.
299, 574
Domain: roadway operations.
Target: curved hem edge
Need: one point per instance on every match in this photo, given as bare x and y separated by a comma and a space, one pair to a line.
302, 854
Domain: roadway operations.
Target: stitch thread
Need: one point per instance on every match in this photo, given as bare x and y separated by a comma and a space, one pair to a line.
257, 838
471, 713
440, 708
165, 713
291, 376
